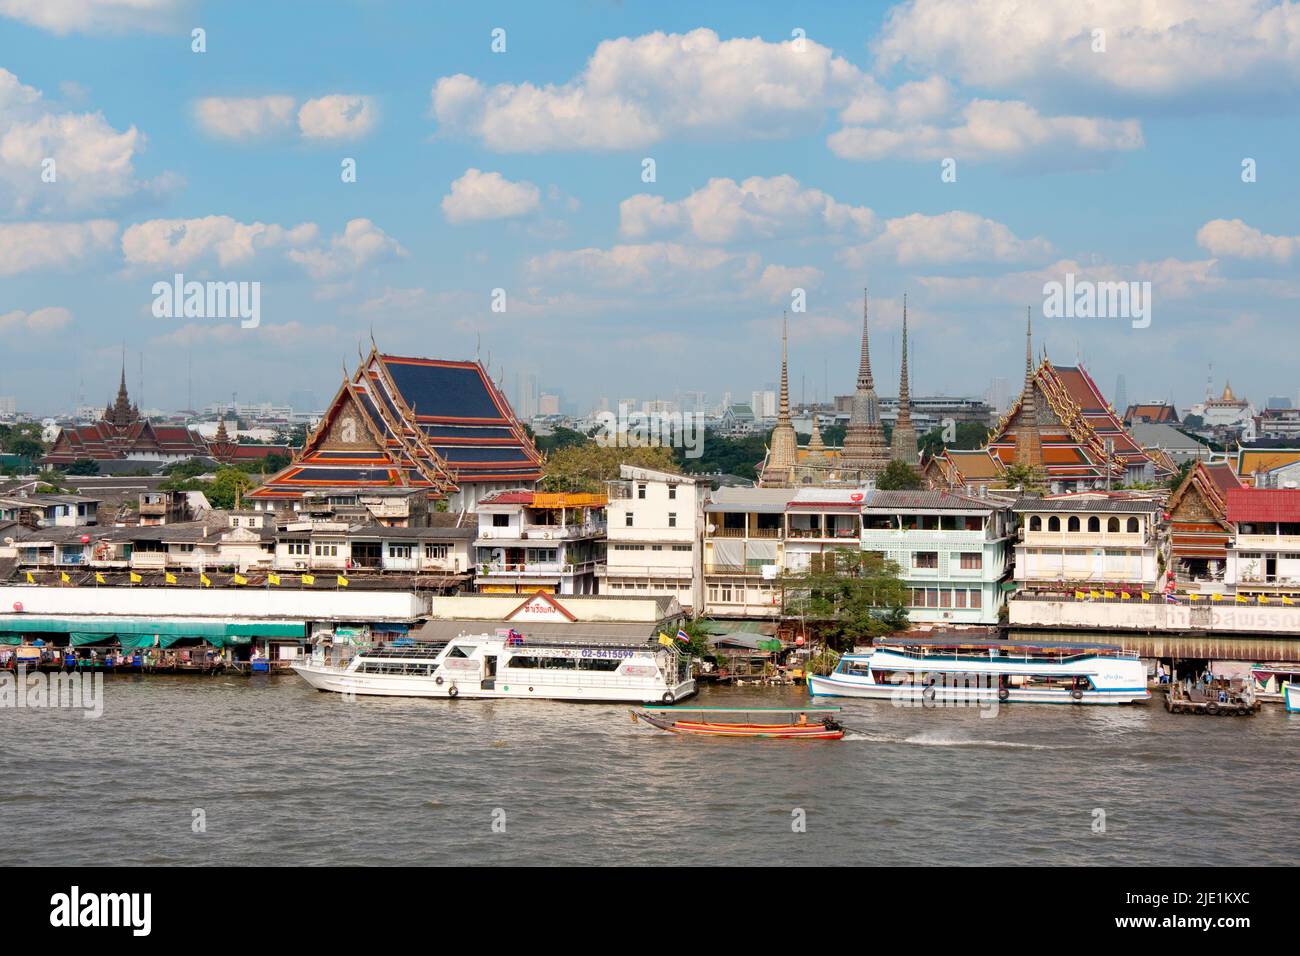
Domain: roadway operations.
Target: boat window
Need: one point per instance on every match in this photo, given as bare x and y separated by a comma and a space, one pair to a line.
459, 651
599, 664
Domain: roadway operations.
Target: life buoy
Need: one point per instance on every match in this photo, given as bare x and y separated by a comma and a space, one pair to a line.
668, 697
453, 691
1077, 694
438, 680
1003, 693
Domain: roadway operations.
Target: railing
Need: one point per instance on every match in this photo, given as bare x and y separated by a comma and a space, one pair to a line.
538, 567
551, 532
836, 534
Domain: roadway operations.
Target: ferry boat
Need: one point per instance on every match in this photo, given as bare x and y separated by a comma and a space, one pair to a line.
1270, 680
503, 665
952, 671
1291, 697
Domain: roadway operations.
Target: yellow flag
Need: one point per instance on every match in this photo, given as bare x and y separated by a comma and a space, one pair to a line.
308, 579
135, 578
205, 580
1094, 595
1145, 596
273, 579
1241, 599
665, 640
1079, 595
99, 578
169, 578
240, 579
1216, 597
343, 582
63, 576
1192, 597
1262, 599
1125, 596
1287, 600
30, 579
1110, 594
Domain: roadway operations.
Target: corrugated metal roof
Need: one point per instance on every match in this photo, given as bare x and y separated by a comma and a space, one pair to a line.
1264, 504
1087, 503
929, 501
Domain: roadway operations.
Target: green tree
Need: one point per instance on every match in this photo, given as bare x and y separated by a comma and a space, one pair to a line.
227, 486
83, 466
898, 476
967, 435
26, 447
847, 598
586, 468
1026, 477
1183, 471
559, 439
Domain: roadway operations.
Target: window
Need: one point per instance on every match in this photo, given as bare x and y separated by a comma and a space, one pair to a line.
1035, 523
640, 491
1073, 523
1053, 523
1133, 526
1094, 524
975, 597
683, 547
925, 559
1112, 525
960, 595
945, 598
500, 521
401, 551
672, 519
672, 492
435, 552
627, 520
299, 547
972, 560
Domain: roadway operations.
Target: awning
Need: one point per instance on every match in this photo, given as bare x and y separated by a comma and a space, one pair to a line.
227, 632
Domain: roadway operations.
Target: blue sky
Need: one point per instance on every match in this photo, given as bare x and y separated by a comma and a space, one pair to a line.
780, 164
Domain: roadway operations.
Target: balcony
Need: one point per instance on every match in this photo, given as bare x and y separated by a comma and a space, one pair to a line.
587, 529
537, 569
820, 534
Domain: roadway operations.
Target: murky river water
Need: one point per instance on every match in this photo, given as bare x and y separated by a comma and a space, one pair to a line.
287, 775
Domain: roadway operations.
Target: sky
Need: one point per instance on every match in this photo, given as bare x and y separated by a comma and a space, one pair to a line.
623, 198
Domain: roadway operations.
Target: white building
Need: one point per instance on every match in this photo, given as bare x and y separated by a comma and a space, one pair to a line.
1263, 554
1092, 539
533, 541
655, 520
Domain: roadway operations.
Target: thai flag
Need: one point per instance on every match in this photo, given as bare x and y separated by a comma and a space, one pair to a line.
683, 636
1171, 598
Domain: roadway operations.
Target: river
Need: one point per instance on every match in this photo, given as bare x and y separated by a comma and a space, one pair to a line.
263, 770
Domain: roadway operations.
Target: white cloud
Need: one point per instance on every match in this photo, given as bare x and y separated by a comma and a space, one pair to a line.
757, 208
174, 243
289, 335
1233, 239
985, 130
361, 243
235, 117
93, 162
949, 237
338, 116
41, 321
778, 282
478, 196
637, 91
1152, 50
27, 246
93, 16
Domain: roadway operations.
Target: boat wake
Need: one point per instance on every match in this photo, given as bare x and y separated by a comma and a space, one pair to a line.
936, 740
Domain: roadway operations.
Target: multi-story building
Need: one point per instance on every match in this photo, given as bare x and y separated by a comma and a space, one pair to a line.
655, 520
744, 552
534, 541
51, 511
1092, 539
1263, 555
953, 551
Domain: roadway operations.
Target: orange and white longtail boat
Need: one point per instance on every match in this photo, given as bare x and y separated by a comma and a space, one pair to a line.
801, 723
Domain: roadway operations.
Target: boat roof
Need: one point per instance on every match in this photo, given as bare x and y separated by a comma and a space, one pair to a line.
987, 644
744, 710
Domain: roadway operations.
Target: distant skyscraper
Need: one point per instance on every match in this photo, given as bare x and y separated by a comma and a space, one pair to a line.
526, 395
548, 405
1121, 394
998, 395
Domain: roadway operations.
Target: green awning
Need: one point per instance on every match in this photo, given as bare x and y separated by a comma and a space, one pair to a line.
10, 639
79, 638
234, 633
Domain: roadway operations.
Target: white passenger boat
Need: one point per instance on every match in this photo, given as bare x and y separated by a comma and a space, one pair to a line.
1291, 697
504, 665
951, 671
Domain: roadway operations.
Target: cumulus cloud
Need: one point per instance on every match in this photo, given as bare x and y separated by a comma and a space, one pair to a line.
28, 246
175, 243
642, 90
478, 196
757, 208
1152, 50
93, 163
987, 130
244, 117
950, 237
1233, 239
778, 282
338, 116
94, 16
41, 321
361, 244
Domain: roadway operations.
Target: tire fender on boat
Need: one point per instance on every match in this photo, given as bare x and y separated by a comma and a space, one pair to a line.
438, 680
1212, 708
668, 697
1003, 693
453, 692
1077, 695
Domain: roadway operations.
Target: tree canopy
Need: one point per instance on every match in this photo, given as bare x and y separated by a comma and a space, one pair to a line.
586, 467
847, 597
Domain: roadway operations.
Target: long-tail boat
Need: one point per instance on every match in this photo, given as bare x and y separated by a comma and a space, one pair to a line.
800, 722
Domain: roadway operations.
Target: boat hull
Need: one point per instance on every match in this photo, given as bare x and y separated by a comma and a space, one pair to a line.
918, 695
693, 728
1291, 697
340, 681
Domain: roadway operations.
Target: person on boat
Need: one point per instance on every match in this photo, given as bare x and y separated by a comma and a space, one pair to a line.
803, 719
